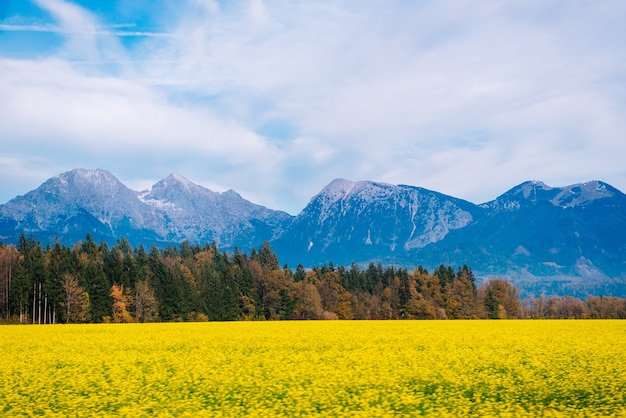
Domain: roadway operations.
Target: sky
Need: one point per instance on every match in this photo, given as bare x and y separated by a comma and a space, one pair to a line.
275, 99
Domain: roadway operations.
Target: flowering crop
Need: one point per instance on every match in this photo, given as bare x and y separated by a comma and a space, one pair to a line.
327, 368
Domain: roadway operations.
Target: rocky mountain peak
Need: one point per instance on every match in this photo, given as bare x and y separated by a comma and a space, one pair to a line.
337, 189
583, 193
341, 191
177, 179
174, 186
530, 189
98, 181
97, 175
533, 229
532, 192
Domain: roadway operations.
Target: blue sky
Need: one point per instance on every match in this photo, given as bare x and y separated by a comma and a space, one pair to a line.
276, 98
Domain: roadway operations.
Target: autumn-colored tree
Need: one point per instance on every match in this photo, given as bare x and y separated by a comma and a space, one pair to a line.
571, 308
146, 304
461, 301
335, 298
606, 307
247, 308
75, 300
122, 300
429, 286
500, 299
274, 290
420, 308
308, 302
364, 304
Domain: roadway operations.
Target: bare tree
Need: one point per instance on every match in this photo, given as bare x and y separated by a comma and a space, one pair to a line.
75, 301
146, 304
8, 259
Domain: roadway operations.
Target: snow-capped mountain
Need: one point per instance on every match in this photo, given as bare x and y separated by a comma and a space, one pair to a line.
75, 203
363, 221
545, 239
78, 202
200, 215
577, 230
531, 192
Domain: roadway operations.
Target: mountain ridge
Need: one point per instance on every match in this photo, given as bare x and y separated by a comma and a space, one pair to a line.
532, 231
165, 213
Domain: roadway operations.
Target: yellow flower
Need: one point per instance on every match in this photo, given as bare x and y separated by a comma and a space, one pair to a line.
308, 368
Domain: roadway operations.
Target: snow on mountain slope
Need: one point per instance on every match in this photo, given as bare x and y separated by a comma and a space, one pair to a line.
201, 215
532, 230
531, 192
362, 219
96, 192
72, 204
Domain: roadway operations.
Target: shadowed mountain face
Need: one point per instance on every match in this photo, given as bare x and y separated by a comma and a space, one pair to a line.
545, 239
72, 204
574, 235
356, 222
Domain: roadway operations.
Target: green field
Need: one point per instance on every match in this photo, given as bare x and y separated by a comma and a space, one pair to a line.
326, 368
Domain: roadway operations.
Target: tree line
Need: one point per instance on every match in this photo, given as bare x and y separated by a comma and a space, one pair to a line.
93, 282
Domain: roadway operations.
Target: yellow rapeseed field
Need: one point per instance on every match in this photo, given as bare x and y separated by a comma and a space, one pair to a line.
325, 368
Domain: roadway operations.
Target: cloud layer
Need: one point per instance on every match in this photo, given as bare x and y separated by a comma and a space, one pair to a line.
276, 99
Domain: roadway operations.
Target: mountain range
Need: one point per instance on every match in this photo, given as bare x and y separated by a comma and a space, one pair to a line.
546, 240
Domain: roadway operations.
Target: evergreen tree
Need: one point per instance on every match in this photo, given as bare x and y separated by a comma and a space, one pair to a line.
266, 257
445, 275
93, 279
163, 281
300, 273
58, 265
468, 273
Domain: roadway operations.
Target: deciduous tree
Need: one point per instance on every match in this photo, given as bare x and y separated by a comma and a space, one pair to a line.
122, 301
75, 300
145, 302
500, 299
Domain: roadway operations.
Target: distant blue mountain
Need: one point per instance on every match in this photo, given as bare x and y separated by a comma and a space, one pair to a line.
569, 240
547, 240
366, 221
72, 204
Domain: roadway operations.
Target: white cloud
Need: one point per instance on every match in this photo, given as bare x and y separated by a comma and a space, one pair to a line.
113, 117
79, 25
468, 98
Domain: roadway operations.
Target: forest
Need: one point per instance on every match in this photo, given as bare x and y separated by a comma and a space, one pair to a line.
93, 282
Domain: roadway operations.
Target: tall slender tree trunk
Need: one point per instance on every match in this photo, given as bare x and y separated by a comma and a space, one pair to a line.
34, 302
8, 292
9, 289
39, 302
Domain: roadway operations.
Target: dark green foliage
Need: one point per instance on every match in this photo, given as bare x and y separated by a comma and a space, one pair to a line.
193, 282
163, 281
445, 274
98, 286
467, 273
59, 263
299, 274
266, 257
